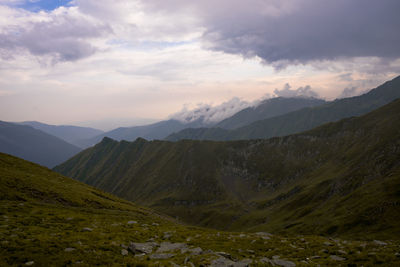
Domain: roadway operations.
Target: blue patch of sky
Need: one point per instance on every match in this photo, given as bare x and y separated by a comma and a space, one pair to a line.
47, 5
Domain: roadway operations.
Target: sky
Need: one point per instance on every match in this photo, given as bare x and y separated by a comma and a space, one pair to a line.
103, 62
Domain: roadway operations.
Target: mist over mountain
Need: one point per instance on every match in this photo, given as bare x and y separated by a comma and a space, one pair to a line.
68, 133
266, 109
329, 180
34, 145
300, 120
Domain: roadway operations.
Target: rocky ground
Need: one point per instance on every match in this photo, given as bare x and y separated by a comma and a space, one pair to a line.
39, 235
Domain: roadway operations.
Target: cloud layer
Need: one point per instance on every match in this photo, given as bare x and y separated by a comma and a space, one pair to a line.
209, 114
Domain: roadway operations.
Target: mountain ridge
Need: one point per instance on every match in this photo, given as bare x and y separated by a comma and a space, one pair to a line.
303, 183
34, 145
300, 120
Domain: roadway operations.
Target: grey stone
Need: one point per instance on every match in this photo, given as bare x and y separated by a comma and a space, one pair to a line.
380, 243
124, 252
342, 252
163, 256
29, 263
69, 249
328, 244
284, 263
336, 258
132, 222
222, 262
195, 251
167, 246
87, 229
145, 248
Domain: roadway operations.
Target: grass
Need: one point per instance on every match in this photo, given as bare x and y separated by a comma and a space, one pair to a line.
43, 216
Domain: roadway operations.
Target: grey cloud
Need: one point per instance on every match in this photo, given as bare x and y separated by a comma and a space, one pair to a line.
297, 31
311, 30
209, 114
305, 91
64, 37
348, 92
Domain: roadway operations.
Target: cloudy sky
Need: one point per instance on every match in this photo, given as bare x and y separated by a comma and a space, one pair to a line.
65, 62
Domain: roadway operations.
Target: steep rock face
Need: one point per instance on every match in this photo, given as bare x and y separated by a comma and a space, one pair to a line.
339, 178
300, 120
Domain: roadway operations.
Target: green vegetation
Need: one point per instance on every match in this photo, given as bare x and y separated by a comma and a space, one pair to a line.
300, 120
341, 179
50, 220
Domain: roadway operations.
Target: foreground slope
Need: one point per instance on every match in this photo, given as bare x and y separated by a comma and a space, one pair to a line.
340, 179
68, 133
300, 120
50, 220
34, 145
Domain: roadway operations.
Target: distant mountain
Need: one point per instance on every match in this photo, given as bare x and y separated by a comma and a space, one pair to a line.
267, 109
342, 178
34, 145
158, 130
303, 119
68, 133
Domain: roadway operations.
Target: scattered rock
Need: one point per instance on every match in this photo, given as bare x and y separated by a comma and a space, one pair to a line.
336, 258
242, 235
224, 254
167, 235
243, 263
328, 244
163, 256
87, 229
69, 249
132, 222
342, 252
146, 248
167, 246
29, 263
124, 252
284, 263
380, 243
155, 224
276, 257
266, 260
397, 254
222, 262
315, 257
195, 251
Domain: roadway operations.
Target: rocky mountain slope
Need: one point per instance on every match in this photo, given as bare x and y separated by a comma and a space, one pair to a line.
301, 120
340, 179
50, 220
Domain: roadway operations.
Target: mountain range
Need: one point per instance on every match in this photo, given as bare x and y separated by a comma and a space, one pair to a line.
34, 145
51, 220
68, 133
300, 120
342, 178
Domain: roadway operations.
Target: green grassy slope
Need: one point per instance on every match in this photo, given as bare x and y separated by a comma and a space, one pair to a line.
339, 179
50, 220
301, 120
